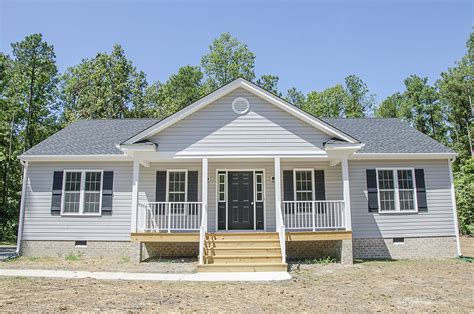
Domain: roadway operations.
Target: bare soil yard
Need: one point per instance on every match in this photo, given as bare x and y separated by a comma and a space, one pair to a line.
400, 286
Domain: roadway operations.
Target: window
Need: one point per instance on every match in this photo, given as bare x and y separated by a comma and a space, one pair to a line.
303, 185
259, 187
396, 190
221, 196
177, 190
82, 192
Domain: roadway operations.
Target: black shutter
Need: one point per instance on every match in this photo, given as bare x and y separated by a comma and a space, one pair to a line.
372, 190
160, 192
192, 186
192, 191
288, 191
107, 192
57, 191
421, 190
319, 185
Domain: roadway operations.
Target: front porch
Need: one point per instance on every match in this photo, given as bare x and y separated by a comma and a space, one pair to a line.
293, 200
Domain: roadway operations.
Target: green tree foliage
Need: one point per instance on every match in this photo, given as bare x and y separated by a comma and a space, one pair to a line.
328, 103
359, 103
181, 90
464, 183
295, 97
456, 87
106, 86
228, 59
269, 83
392, 107
28, 90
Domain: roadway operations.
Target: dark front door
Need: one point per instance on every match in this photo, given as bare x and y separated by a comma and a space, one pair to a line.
240, 200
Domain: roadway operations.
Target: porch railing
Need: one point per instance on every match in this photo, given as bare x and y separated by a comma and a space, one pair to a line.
172, 216
313, 215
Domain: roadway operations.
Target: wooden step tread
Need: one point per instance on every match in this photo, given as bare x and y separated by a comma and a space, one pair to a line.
242, 267
240, 233
244, 248
242, 240
244, 256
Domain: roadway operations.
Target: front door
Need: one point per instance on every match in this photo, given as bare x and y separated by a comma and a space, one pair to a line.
240, 200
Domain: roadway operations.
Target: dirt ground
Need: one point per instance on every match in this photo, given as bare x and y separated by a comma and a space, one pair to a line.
399, 286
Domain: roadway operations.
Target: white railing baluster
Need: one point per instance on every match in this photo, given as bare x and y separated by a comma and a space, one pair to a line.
313, 215
171, 216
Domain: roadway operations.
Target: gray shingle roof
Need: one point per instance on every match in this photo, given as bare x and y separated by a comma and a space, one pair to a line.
91, 137
100, 137
387, 136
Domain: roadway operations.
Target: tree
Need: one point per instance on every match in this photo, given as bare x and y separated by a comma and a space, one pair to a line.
328, 103
181, 90
391, 107
269, 83
358, 101
295, 97
28, 91
106, 86
227, 60
456, 87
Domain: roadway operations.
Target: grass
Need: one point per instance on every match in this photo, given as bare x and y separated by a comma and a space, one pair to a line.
73, 257
319, 261
125, 259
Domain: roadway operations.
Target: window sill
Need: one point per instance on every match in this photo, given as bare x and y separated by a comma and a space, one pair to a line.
398, 212
81, 215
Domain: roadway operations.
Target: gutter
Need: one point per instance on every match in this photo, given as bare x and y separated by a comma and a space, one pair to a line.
455, 211
22, 207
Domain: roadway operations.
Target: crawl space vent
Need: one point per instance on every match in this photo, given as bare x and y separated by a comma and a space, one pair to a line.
240, 105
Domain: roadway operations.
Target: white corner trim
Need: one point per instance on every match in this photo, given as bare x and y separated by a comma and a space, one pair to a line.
22, 207
252, 88
455, 210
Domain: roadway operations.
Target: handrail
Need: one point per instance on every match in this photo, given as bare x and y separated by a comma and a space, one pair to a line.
280, 226
202, 233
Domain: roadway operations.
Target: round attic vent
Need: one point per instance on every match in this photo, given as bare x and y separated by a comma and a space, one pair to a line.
240, 105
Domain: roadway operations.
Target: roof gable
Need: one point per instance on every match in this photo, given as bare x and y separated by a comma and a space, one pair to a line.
257, 91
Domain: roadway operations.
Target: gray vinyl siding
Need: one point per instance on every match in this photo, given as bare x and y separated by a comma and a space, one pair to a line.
217, 128
39, 224
438, 221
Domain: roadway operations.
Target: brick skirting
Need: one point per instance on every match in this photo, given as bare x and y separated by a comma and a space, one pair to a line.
63, 248
412, 248
170, 249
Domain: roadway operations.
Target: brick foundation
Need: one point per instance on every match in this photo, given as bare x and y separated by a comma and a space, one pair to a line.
93, 249
412, 248
312, 249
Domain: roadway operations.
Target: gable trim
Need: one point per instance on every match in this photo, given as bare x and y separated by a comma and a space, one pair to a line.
252, 88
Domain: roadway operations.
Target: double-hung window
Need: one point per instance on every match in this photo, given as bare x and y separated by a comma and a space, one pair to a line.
177, 190
304, 189
82, 192
396, 190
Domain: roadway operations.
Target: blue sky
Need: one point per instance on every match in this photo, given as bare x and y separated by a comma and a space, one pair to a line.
311, 45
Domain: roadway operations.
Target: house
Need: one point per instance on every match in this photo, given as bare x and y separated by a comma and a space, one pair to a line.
245, 181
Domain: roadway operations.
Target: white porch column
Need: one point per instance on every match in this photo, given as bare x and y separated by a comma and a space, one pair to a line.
135, 178
204, 181
347, 193
277, 190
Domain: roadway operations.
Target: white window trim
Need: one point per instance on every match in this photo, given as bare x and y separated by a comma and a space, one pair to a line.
82, 192
312, 182
224, 174
396, 191
185, 188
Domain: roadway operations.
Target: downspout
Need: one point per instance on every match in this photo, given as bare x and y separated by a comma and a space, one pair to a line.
22, 207
455, 211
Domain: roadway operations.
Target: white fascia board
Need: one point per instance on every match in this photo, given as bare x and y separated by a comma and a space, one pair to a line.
405, 156
137, 147
74, 158
254, 89
345, 146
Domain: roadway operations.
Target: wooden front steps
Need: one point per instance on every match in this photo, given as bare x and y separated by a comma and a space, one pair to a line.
242, 252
